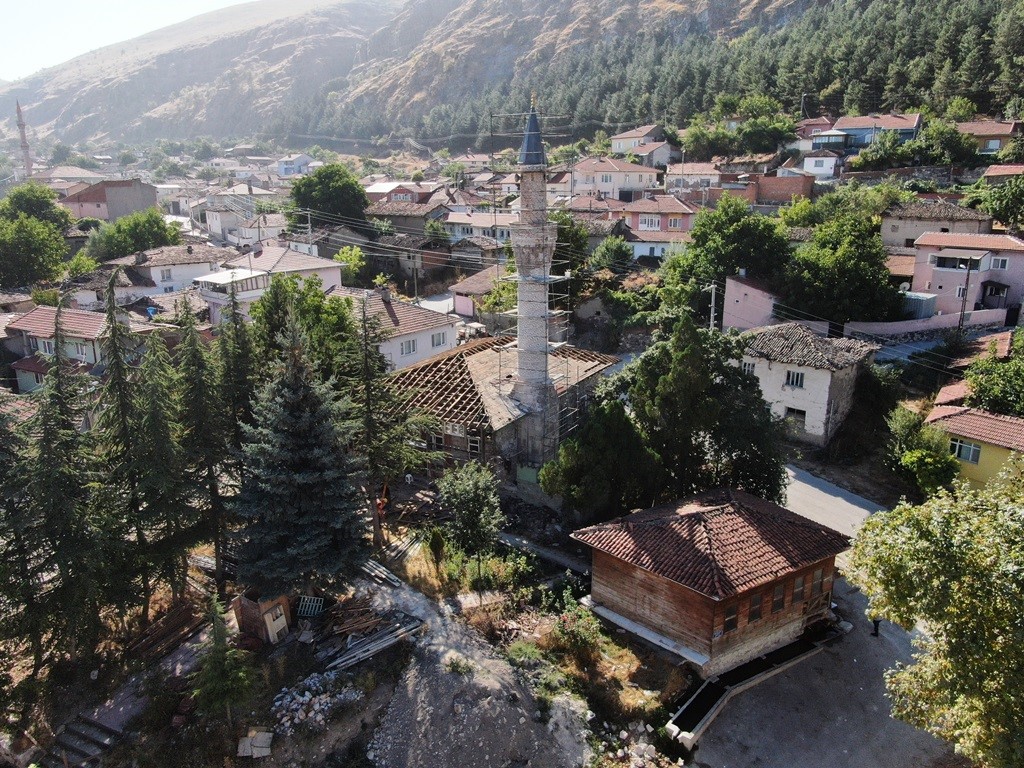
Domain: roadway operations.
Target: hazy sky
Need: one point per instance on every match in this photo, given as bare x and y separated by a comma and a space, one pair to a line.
41, 33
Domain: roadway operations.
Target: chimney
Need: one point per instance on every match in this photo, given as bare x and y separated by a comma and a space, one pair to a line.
385, 294
141, 257
188, 249
743, 271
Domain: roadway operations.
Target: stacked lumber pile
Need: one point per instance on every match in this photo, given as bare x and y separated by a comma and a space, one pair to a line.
166, 634
354, 616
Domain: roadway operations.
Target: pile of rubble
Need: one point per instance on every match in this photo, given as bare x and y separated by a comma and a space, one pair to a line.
634, 747
311, 702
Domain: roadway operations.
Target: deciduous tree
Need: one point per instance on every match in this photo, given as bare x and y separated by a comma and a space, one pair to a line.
470, 493
332, 194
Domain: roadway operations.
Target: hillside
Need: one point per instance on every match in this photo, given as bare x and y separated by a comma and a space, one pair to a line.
437, 69
223, 73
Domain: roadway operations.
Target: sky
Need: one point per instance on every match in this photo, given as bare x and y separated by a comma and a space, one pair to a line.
41, 33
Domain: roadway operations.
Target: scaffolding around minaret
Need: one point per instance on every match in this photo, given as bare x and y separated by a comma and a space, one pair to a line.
26, 154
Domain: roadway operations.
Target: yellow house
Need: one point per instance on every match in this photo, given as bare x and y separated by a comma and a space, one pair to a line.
982, 441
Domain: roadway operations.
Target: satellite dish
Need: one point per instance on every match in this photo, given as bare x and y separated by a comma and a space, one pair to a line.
904, 287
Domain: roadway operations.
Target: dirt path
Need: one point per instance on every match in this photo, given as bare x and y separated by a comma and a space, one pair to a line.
459, 705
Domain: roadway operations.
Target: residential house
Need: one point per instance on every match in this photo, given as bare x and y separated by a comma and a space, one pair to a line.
986, 270
469, 292
411, 256
628, 141
559, 183
265, 226
904, 223
32, 336
415, 333
998, 346
657, 154
992, 135
110, 199
807, 379
833, 140
241, 198
748, 303
599, 227
612, 178
749, 164
324, 242
472, 161
69, 173
159, 270
492, 224
999, 174
216, 288
983, 442
223, 223
458, 200
718, 579
468, 392
476, 252
656, 223
409, 218
807, 130
690, 175
12, 301
823, 163
864, 130
294, 165
402, 191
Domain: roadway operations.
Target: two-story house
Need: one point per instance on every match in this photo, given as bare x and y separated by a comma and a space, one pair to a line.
472, 161
294, 164
265, 226
693, 175
612, 178
480, 224
806, 379
401, 191
627, 141
33, 334
408, 218
987, 270
807, 129
415, 333
992, 135
861, 131
983, 442
656, 223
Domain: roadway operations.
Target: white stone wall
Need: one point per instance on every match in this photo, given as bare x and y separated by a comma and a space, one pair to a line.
813, 397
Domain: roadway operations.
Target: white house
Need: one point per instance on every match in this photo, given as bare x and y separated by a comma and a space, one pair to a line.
416, 333
822, 163
690, 175
293, 165
623, 143
808, 380
265, 226
223, 223
480, 224
903, 223
613, 178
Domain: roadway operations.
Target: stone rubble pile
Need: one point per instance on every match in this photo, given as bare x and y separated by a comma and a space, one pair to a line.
311, 702
633, 747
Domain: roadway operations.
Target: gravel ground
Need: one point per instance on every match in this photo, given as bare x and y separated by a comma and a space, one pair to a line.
483, 717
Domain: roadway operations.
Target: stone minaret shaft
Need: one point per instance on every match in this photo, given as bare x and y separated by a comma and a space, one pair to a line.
26, 154
533, 242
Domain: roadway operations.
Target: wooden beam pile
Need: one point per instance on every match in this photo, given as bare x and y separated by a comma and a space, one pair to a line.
167, 633
375, 643
353, 617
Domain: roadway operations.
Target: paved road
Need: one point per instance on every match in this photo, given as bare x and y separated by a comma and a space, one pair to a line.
826, 503
442, 302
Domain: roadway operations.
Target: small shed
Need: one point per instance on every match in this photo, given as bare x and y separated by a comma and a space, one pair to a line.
718, 579
268, 619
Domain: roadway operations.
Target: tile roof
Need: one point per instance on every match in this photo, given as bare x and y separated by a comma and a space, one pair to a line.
693, 169
1004, 170
465, 385
973, 424
19, 409
97, 193
277, 260
881, 122
976, 242
273, 220
609, 165
953, 394
940, 210
990, 127
799, 234
397, 317
656, 236
797, 344
981, 347
900, 264
402, 208
635, 133
99, 279
658, 204
478, 284
13, 297
170, 255
5, 320
80, 324
67, 172
719, 544
482, 218
643, 150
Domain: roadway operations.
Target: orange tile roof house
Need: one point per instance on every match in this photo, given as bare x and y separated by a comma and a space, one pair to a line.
991, 135
982, 441
613, 178
718, 579
997, 174
863, 130
110, 199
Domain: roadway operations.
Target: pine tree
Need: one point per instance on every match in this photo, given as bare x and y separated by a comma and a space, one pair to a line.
200, 415
157, 462
235, 371
303, 522
224, 678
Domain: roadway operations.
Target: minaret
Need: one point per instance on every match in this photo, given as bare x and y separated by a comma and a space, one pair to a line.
533, 243
25, 153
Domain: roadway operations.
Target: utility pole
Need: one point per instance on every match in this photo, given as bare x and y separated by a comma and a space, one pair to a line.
368, 426
963, 302
714, 305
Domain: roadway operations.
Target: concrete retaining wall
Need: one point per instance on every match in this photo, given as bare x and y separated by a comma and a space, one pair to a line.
995, 317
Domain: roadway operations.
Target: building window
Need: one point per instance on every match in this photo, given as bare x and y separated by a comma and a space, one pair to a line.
474, 444
650, 221
965, 451
819, 163
435, 441
454, 429
961, 291
795, 379
731, 620
606, 178
754, 614
48, 347
33, 343
675, 222
798, 589
407, 347
797, 418
438, 339
909, 243
779, 598
80, 349
993, 145
748, 366
999, 262
816, 580
38, 378
165, 275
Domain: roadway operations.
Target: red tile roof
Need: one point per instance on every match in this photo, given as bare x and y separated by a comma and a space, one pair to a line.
41, 321
982, 347
953, 394
658, 204
720, 543
900, 265
881, 122
975, 242
480, 283
974, 424
1004, 170
609, 165
636, 133
397, 317
990, 127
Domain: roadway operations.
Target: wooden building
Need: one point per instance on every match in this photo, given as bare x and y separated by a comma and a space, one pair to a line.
719, 579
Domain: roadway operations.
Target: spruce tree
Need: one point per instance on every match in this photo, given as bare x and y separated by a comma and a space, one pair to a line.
235, 371
303, 523
200, 416
157, 461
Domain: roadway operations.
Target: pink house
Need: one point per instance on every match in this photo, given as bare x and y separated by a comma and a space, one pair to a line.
986, 269
656, 224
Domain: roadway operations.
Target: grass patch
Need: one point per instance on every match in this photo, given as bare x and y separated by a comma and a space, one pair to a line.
456, 573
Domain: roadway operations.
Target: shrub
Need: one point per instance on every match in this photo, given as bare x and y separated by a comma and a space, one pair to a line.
522, 653
577, 630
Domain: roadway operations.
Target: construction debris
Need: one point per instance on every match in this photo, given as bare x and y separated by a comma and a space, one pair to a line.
311, 702
171, 630
380, 574
256, 743
371, 645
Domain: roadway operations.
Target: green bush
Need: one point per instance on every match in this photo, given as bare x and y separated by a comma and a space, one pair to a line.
576, 629
521, 653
